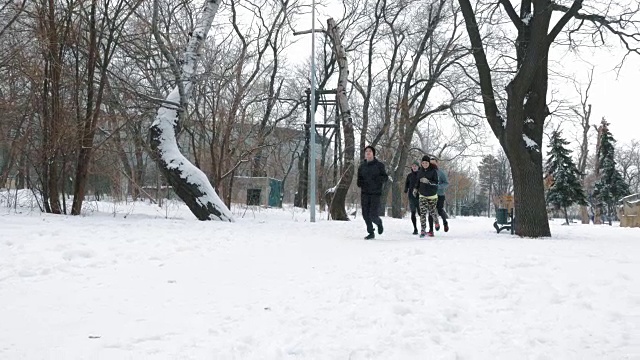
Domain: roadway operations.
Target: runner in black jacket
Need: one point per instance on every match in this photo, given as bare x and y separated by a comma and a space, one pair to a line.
371, 176
409, 185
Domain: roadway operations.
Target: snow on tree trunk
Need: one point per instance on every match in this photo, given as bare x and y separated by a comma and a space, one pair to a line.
188, 182
529, 207
338, 211
526, 99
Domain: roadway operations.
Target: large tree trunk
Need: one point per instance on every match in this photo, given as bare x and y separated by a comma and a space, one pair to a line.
520, 135
338, 210
399, 159
9, 158
300, 199
303, 161
188, 182
396, 199
90, 121
23, 171
139, 164
52, 116
530, 208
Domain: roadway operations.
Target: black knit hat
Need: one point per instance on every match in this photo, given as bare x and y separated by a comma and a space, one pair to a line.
426, 158
373, 150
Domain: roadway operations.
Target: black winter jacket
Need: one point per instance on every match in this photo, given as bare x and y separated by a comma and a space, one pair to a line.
371, 177
410, 183
427, 183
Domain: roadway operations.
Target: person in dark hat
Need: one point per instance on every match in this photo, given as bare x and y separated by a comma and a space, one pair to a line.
427, 191
371, 177
409, 185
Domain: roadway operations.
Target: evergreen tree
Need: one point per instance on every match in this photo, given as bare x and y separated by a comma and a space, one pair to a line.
566, 188
488, 174
611, 186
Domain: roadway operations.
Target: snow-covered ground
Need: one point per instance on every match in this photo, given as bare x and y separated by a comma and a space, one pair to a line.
134, 281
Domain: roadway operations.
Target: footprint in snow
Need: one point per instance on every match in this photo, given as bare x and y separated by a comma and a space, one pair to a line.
77, 254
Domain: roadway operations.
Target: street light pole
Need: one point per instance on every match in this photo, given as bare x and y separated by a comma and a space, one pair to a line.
312, 128
312, 125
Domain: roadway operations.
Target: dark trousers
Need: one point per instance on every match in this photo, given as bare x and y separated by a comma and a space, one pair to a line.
441, 212
370, 208
414, 205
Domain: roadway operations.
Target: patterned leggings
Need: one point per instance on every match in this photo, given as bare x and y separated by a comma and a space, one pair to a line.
428, 207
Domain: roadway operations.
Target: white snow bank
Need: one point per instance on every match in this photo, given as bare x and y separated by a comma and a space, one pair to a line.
275, 286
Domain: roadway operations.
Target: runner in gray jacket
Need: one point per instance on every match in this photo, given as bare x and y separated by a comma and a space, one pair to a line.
443, 184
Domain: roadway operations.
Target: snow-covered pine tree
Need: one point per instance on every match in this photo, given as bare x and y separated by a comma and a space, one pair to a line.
566, 188
611, 186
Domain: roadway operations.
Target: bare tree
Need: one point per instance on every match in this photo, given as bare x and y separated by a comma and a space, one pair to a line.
628, 159
583, 113
450, 138
520, 129
251, 87
54, 25
103, 38
597, 212
12, 9
96, 80
338, 211
13, 120
189, 182
368, 71
439, 50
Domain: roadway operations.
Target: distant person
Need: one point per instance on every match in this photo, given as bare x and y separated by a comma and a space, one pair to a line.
371, 176
427, 191
443, 184
409, 185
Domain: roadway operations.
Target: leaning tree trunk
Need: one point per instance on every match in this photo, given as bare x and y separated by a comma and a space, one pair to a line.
338, 211
188, 182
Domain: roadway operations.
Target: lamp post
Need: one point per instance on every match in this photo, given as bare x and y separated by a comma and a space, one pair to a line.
312, 128
312, 125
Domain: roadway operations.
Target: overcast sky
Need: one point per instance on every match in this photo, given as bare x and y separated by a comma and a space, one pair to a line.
613, 95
